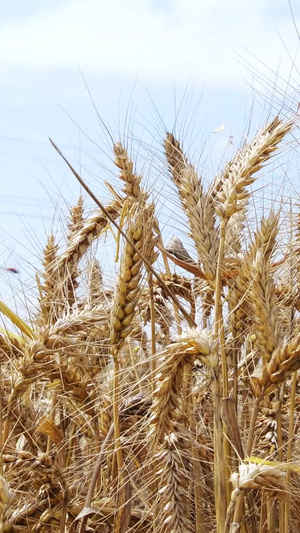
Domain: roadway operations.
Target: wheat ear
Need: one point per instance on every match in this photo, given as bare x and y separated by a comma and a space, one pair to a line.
259, 477
50, 299
75, 224
229, 189
166, 439
127, 290
197, 205
256, 282
132, 180
81, 240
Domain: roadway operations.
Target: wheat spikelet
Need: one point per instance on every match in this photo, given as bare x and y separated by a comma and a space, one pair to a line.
240, 314
38, 356
265, 237
163, 315
80, 320
248, 283
35, 358
10, 346
166, 404
268, 479
76, 218
30, 472
57, 292
140, 233
152, 234
180, 286
90, 230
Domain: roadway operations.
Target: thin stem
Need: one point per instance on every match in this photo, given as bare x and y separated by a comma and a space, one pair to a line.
271, 509
168, 271
64, 512
152, 315
280, 455
219, 322
116, 417
252, 426
6, 427
219, 458
93, 482
52, 417
263, 514
290, 444
152, 322
239, 508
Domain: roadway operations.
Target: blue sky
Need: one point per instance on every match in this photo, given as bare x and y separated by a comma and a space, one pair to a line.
135, 56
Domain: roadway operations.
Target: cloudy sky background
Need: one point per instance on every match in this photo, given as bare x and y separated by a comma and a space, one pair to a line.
139, 60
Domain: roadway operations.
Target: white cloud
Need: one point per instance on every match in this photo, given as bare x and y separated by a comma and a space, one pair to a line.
190, 38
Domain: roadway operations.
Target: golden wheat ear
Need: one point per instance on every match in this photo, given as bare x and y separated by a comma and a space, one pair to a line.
198, 206
229, 189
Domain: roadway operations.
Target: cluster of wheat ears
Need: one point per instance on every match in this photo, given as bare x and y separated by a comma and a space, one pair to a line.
170, 403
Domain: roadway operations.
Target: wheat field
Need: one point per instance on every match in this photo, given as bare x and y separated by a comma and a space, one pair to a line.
168, 402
